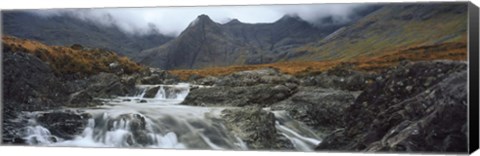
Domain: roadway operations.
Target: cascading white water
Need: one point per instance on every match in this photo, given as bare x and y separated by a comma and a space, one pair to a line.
161, 94
299, 134
164, 93
159, 122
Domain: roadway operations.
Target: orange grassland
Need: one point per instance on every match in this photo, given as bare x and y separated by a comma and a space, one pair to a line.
444, 51
70, 60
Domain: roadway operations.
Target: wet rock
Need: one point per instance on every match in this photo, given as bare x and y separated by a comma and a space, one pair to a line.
11, 132
429, 116
82, 99
64, 124
256, 128
136, 124
256, 87
334, 141
259, 95
151, 92
434, 121
318, 107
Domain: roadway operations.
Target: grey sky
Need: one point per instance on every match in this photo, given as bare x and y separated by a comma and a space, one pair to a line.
173, 20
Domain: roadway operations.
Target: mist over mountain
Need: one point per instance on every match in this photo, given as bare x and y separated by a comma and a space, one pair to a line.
142, 21
206, 43
241, 35
376, 30
67, 30
390, 28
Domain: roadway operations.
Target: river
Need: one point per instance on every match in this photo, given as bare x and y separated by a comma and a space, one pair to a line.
161, 122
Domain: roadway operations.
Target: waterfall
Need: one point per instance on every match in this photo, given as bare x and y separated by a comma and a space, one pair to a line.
160, 122
161, 94
298, 133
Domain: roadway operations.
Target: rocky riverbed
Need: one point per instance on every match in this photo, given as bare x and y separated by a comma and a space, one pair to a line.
415, 107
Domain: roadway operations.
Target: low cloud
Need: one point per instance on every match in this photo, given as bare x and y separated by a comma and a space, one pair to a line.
173, 20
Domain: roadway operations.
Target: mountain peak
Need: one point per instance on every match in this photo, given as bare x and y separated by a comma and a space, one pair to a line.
204, 17
234, 21
290, 17
201, 19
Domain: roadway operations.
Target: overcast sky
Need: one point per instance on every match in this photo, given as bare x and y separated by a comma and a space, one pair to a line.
173, 20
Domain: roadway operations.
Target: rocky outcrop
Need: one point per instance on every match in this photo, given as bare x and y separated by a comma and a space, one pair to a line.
103, 85
29, 84
258, 87
156, 76
317, 107
417, 107
255, 77
258, 95
256, 127
106, 85
340, 77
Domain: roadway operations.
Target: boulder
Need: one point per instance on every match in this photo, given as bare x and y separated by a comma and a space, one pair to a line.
151, 92
64, 124
136, 124
256, 128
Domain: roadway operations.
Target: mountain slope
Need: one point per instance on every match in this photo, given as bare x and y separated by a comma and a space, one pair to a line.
392, 27
74, 60
206, 43
381, 29
67, 30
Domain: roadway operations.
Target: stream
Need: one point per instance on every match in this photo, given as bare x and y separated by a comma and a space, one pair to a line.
161, 122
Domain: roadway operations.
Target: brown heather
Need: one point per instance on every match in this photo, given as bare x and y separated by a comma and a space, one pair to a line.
445, 51
71, 60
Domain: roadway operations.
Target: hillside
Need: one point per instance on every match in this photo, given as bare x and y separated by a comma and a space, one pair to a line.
66, 30
392, 27
73, 60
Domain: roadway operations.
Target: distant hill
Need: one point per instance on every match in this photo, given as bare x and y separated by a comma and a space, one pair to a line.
67, 30
392, 27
